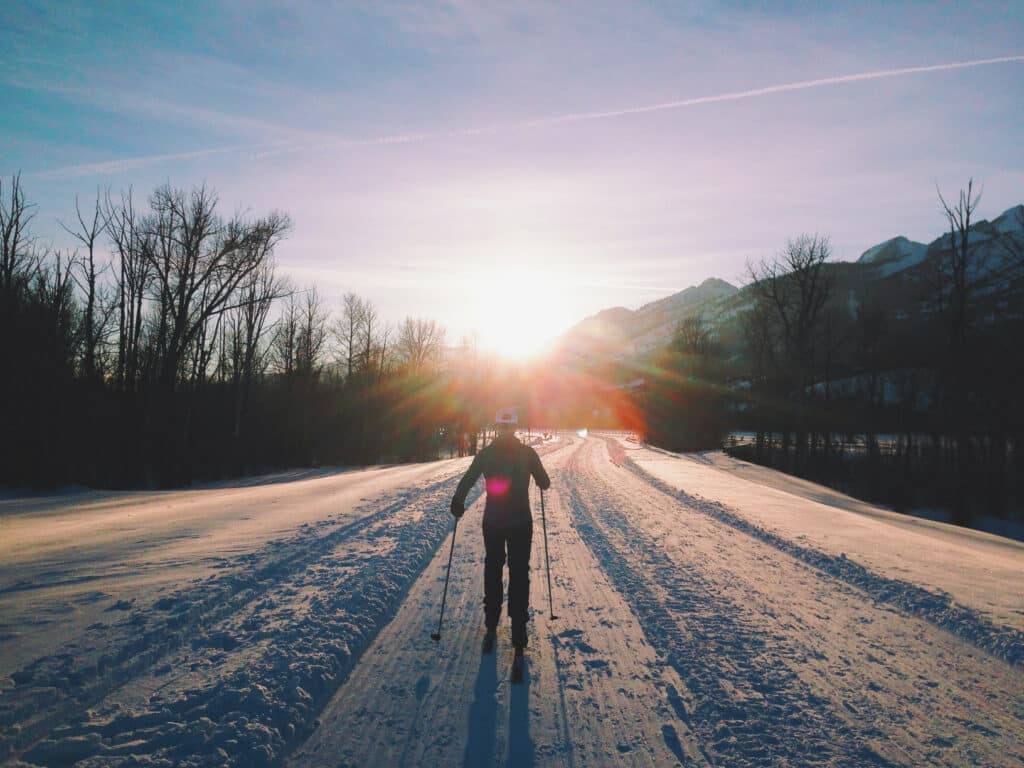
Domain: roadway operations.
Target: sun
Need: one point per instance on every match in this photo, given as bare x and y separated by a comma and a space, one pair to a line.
522, 311
517, 332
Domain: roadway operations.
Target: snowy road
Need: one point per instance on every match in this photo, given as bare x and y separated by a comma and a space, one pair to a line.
706, 615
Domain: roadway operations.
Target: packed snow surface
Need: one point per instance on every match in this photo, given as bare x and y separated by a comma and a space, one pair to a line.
709, 613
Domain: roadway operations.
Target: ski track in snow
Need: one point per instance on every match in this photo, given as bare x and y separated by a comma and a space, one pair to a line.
750, 708
594, 693
300, 612
686, 634
910, 694
939, 609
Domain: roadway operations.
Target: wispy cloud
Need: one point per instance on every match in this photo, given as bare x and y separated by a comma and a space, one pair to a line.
261, 151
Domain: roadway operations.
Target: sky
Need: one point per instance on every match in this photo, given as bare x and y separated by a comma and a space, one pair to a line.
509, 168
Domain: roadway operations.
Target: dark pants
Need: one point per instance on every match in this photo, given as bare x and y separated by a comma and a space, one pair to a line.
516, 542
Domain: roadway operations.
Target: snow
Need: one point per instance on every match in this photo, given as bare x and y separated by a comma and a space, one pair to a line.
1011, 221
852, 305
891, 387
212, 643
979, 570
589, 696
894, 255
66, 559
709, 613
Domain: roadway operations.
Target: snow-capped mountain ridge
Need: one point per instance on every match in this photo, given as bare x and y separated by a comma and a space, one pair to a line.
1010, 223
889, 271
898, 249
620, 330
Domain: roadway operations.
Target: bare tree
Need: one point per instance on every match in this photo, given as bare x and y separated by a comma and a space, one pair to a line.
312, 335
201, 350
133, 276
793, 289
286, 338
256, 297
17, 258
385, 353
54, 288
419, 343
872, 330
369, 339
199, 262
692, 337
244, 351
959, 267
86, 275
348, 332
796, 286
301, 335
760, 343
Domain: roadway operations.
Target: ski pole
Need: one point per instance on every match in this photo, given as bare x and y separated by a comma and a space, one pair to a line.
547, 560
436, 636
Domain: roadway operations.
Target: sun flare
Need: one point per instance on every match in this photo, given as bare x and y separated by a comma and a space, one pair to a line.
517, 335
519, 312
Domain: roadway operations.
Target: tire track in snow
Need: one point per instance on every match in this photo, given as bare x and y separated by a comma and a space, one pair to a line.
274, 699
749, 709
938, 609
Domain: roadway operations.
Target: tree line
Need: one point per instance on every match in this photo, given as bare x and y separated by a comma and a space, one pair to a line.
166, 347
914, 411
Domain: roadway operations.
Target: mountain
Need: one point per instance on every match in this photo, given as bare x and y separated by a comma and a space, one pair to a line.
894, 255
895, 276
899, 253
621, 332
1011, 221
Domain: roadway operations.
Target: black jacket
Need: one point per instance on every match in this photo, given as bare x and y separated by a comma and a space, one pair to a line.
507, 465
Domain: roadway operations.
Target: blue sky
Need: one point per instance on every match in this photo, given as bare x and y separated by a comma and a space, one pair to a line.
448, 160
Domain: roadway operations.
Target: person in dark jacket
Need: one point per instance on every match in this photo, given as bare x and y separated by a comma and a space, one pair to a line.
507, 466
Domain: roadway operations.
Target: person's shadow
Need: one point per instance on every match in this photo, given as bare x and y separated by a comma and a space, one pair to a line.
520, 744
483, 719
483, 715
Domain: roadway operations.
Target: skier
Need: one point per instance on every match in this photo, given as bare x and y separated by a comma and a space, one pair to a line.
506, 465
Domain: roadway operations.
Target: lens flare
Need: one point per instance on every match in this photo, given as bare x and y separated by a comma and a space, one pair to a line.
498, 486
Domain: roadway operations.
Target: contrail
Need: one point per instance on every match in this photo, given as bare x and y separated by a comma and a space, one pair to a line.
574, 117
768, 90
571, 117
107, 167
